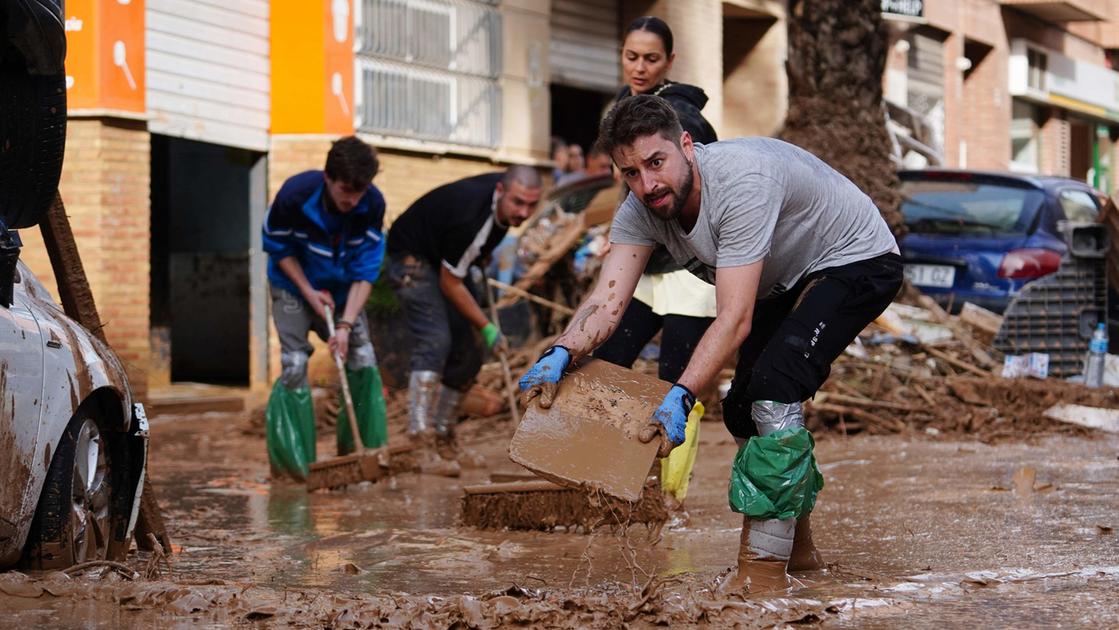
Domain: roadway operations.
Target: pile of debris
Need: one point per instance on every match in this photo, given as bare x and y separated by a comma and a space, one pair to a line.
919, 370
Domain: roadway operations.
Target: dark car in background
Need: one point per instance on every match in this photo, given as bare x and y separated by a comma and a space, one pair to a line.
981, 236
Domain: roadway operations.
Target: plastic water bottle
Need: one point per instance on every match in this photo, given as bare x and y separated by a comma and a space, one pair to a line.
1096, 360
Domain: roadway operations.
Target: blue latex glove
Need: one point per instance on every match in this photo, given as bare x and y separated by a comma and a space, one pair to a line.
543, 378
673, 414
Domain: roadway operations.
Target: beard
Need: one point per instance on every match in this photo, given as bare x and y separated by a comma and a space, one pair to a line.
679, 196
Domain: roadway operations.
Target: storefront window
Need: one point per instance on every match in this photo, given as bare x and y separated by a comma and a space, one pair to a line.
1024, 138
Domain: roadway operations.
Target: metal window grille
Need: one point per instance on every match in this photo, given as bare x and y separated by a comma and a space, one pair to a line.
429, 69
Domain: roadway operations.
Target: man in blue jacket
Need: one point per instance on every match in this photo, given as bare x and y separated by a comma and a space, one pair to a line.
325, 247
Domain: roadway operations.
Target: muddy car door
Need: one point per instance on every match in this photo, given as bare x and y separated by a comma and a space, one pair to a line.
21, 395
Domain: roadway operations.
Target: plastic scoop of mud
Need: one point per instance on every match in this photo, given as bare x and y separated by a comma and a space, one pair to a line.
589, 436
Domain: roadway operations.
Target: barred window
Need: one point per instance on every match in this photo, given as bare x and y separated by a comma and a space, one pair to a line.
429, 69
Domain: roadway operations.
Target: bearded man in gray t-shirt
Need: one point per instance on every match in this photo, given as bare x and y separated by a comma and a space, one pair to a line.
801, 261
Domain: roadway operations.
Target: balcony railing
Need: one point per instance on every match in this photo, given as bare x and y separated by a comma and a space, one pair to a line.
429, 70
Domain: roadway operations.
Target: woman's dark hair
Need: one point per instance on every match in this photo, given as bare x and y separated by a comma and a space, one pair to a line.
636, 117
654, 25
352, 161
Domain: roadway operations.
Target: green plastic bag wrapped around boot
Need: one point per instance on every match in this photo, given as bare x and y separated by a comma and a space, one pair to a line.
369, 406
289, 429
776, 476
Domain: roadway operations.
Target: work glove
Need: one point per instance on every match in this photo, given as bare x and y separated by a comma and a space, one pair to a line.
670, 419
542, 379
491, 334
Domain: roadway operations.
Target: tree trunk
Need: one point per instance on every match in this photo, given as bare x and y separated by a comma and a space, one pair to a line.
837, 53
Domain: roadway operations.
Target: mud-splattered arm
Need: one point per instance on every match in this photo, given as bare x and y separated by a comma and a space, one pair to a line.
736, 289
597, 317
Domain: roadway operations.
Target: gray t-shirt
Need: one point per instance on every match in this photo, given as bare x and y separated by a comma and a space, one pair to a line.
764, 199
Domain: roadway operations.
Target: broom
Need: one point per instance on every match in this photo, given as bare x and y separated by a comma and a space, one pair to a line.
359, 466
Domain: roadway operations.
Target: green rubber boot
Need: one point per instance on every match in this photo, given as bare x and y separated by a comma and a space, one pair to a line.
369, 405
289, 428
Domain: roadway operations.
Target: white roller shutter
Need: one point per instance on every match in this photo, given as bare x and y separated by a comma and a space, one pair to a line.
585, 43
208, 71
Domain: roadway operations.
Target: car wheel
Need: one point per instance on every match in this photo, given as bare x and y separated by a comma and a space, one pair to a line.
73, 519
32, 140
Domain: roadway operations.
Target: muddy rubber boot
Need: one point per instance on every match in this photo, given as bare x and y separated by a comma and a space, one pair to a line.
805, 556
423, 388
763, 556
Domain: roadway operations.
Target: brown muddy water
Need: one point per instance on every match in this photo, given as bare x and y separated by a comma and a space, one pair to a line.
916, 532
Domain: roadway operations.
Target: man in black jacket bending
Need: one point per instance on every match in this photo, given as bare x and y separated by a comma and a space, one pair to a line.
431, 248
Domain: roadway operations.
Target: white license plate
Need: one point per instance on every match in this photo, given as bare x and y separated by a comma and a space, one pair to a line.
939, 276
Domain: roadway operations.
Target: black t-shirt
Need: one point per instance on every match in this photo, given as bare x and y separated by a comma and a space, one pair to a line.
453, 225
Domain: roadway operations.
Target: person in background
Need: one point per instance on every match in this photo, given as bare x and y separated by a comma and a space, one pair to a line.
576, 162
325, 247
431, 248
559, 158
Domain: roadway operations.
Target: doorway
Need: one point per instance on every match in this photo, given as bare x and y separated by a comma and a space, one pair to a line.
202, 203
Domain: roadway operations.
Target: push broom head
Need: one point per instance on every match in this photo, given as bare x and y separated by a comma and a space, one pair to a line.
357, 467
543, 505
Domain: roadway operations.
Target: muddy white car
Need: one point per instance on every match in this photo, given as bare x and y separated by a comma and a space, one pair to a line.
73, 447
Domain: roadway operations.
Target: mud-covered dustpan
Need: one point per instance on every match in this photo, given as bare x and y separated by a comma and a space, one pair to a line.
589, 437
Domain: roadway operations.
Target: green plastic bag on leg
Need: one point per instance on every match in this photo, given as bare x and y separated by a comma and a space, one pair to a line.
369, 406
289, 428
776, 476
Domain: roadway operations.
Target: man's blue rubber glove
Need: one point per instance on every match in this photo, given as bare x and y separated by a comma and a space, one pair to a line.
672, 416
543, 378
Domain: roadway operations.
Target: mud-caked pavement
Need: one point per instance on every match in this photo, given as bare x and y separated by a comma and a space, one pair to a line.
916, 530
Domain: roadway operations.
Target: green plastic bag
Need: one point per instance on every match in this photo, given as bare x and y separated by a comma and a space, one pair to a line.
289, 428
369, 406
776, 476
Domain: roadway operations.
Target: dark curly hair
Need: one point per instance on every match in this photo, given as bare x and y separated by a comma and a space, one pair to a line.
352, 162
635, 117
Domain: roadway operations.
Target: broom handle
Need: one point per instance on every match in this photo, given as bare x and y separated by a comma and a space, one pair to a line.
350, 415
509, 391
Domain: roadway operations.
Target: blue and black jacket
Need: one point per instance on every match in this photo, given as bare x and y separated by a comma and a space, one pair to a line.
335, 250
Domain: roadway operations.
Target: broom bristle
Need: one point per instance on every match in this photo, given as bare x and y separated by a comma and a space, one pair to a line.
574, 510
335, 473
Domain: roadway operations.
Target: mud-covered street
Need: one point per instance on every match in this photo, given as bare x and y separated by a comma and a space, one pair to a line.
914, 530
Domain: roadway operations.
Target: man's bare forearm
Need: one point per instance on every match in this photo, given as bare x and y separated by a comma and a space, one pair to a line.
593, 323
294, 271
597, 317
722, 339
356, 299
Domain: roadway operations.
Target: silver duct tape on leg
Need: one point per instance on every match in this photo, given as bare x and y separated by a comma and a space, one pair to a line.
770, 416
445, 410
772, 538
423, 386
294, 369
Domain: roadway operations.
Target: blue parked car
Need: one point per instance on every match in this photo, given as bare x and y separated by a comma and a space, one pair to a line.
979, 237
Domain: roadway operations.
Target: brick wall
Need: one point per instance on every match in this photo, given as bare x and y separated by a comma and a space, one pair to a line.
983, 121
105, 185
1054, 146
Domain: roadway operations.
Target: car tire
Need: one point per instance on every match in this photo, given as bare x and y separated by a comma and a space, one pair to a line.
32, 140
74, 516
